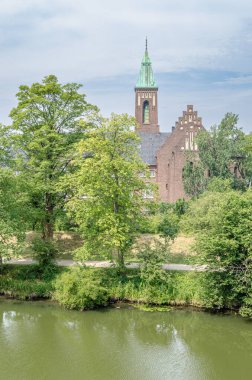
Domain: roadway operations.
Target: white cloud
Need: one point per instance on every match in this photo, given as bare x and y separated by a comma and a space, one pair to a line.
80, 40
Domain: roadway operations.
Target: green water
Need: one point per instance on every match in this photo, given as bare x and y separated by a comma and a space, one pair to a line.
39, 341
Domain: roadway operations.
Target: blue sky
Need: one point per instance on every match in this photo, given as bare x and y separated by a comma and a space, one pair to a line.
201, 51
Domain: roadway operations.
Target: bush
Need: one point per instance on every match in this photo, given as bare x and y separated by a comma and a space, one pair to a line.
168, 227
151, 271
246, 311
80, 289
221, 222
44, 251
150, 224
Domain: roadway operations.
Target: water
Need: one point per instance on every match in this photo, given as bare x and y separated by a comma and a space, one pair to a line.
39, 341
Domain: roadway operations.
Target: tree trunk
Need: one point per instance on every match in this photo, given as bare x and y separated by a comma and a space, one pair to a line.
48, 227
121, 265
120, 259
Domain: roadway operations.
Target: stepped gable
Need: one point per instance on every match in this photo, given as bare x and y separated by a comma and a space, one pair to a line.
164, 153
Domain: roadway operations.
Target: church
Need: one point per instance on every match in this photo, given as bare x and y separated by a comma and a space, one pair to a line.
164, 153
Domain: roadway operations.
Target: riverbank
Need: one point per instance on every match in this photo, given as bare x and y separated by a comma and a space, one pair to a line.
29, 282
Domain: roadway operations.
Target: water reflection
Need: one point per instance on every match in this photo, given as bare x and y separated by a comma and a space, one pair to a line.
46, 342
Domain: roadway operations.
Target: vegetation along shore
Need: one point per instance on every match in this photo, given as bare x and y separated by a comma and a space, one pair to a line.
64, 167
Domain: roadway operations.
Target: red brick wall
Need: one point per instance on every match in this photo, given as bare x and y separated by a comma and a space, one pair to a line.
143, 94
171, 156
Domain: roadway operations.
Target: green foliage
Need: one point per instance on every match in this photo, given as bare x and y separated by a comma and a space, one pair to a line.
152, 308
44, 251
88, 288
222, 223
248, 145
151, 223
12, 214
221, 147
80, 289
176, 288
25, 289
247, 150
163, 218
246, 311
5, 147
25, 282
219, 185
169, 225
194, 179
32, 272
222, 154
47, 122
180, 207
107, 191
153, 257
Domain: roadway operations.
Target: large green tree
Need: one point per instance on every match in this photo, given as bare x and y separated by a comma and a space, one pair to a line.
221, 221
221, 154
47, 122
107, 189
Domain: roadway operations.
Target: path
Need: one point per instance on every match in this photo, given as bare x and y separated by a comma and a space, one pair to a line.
108, 264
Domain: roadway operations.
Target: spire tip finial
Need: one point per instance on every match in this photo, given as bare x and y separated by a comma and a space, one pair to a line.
146, 43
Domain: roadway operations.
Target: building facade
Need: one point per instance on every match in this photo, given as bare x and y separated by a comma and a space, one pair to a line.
164, 153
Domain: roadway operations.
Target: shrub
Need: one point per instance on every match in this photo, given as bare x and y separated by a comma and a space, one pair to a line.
44, 251
151, 271
246, 311
80, 288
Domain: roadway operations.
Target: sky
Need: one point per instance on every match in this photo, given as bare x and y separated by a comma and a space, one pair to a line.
201, 52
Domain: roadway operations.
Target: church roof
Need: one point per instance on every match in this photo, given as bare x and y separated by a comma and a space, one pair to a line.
150, 143
146, 77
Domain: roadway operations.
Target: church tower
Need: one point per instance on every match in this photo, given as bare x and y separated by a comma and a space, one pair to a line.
146, 105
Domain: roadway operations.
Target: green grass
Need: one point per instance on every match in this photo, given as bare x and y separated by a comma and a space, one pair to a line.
27, 282
30, 282
199, 289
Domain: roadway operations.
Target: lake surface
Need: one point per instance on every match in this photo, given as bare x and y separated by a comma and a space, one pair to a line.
40, 341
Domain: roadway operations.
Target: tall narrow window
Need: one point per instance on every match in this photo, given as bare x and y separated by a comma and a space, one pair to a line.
146, 112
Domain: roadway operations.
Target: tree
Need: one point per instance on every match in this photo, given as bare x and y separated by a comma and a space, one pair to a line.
5, 147
107, 189
221, 154
248, 162
168, 226
47, 122
13, 214
153, 257
194, 179
222, 224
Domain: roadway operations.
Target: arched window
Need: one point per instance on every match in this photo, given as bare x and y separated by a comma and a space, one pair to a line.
146, 112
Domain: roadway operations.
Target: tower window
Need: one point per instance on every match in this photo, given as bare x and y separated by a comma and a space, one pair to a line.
146, 112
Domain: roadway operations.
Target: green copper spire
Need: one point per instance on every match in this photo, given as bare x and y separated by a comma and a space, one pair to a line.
146, 78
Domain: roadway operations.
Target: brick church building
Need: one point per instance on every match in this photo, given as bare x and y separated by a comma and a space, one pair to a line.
163, 152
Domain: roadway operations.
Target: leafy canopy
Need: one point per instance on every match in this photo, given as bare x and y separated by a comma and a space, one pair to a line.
14, 213
222, 223
107, 189
47, 122
221, 154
